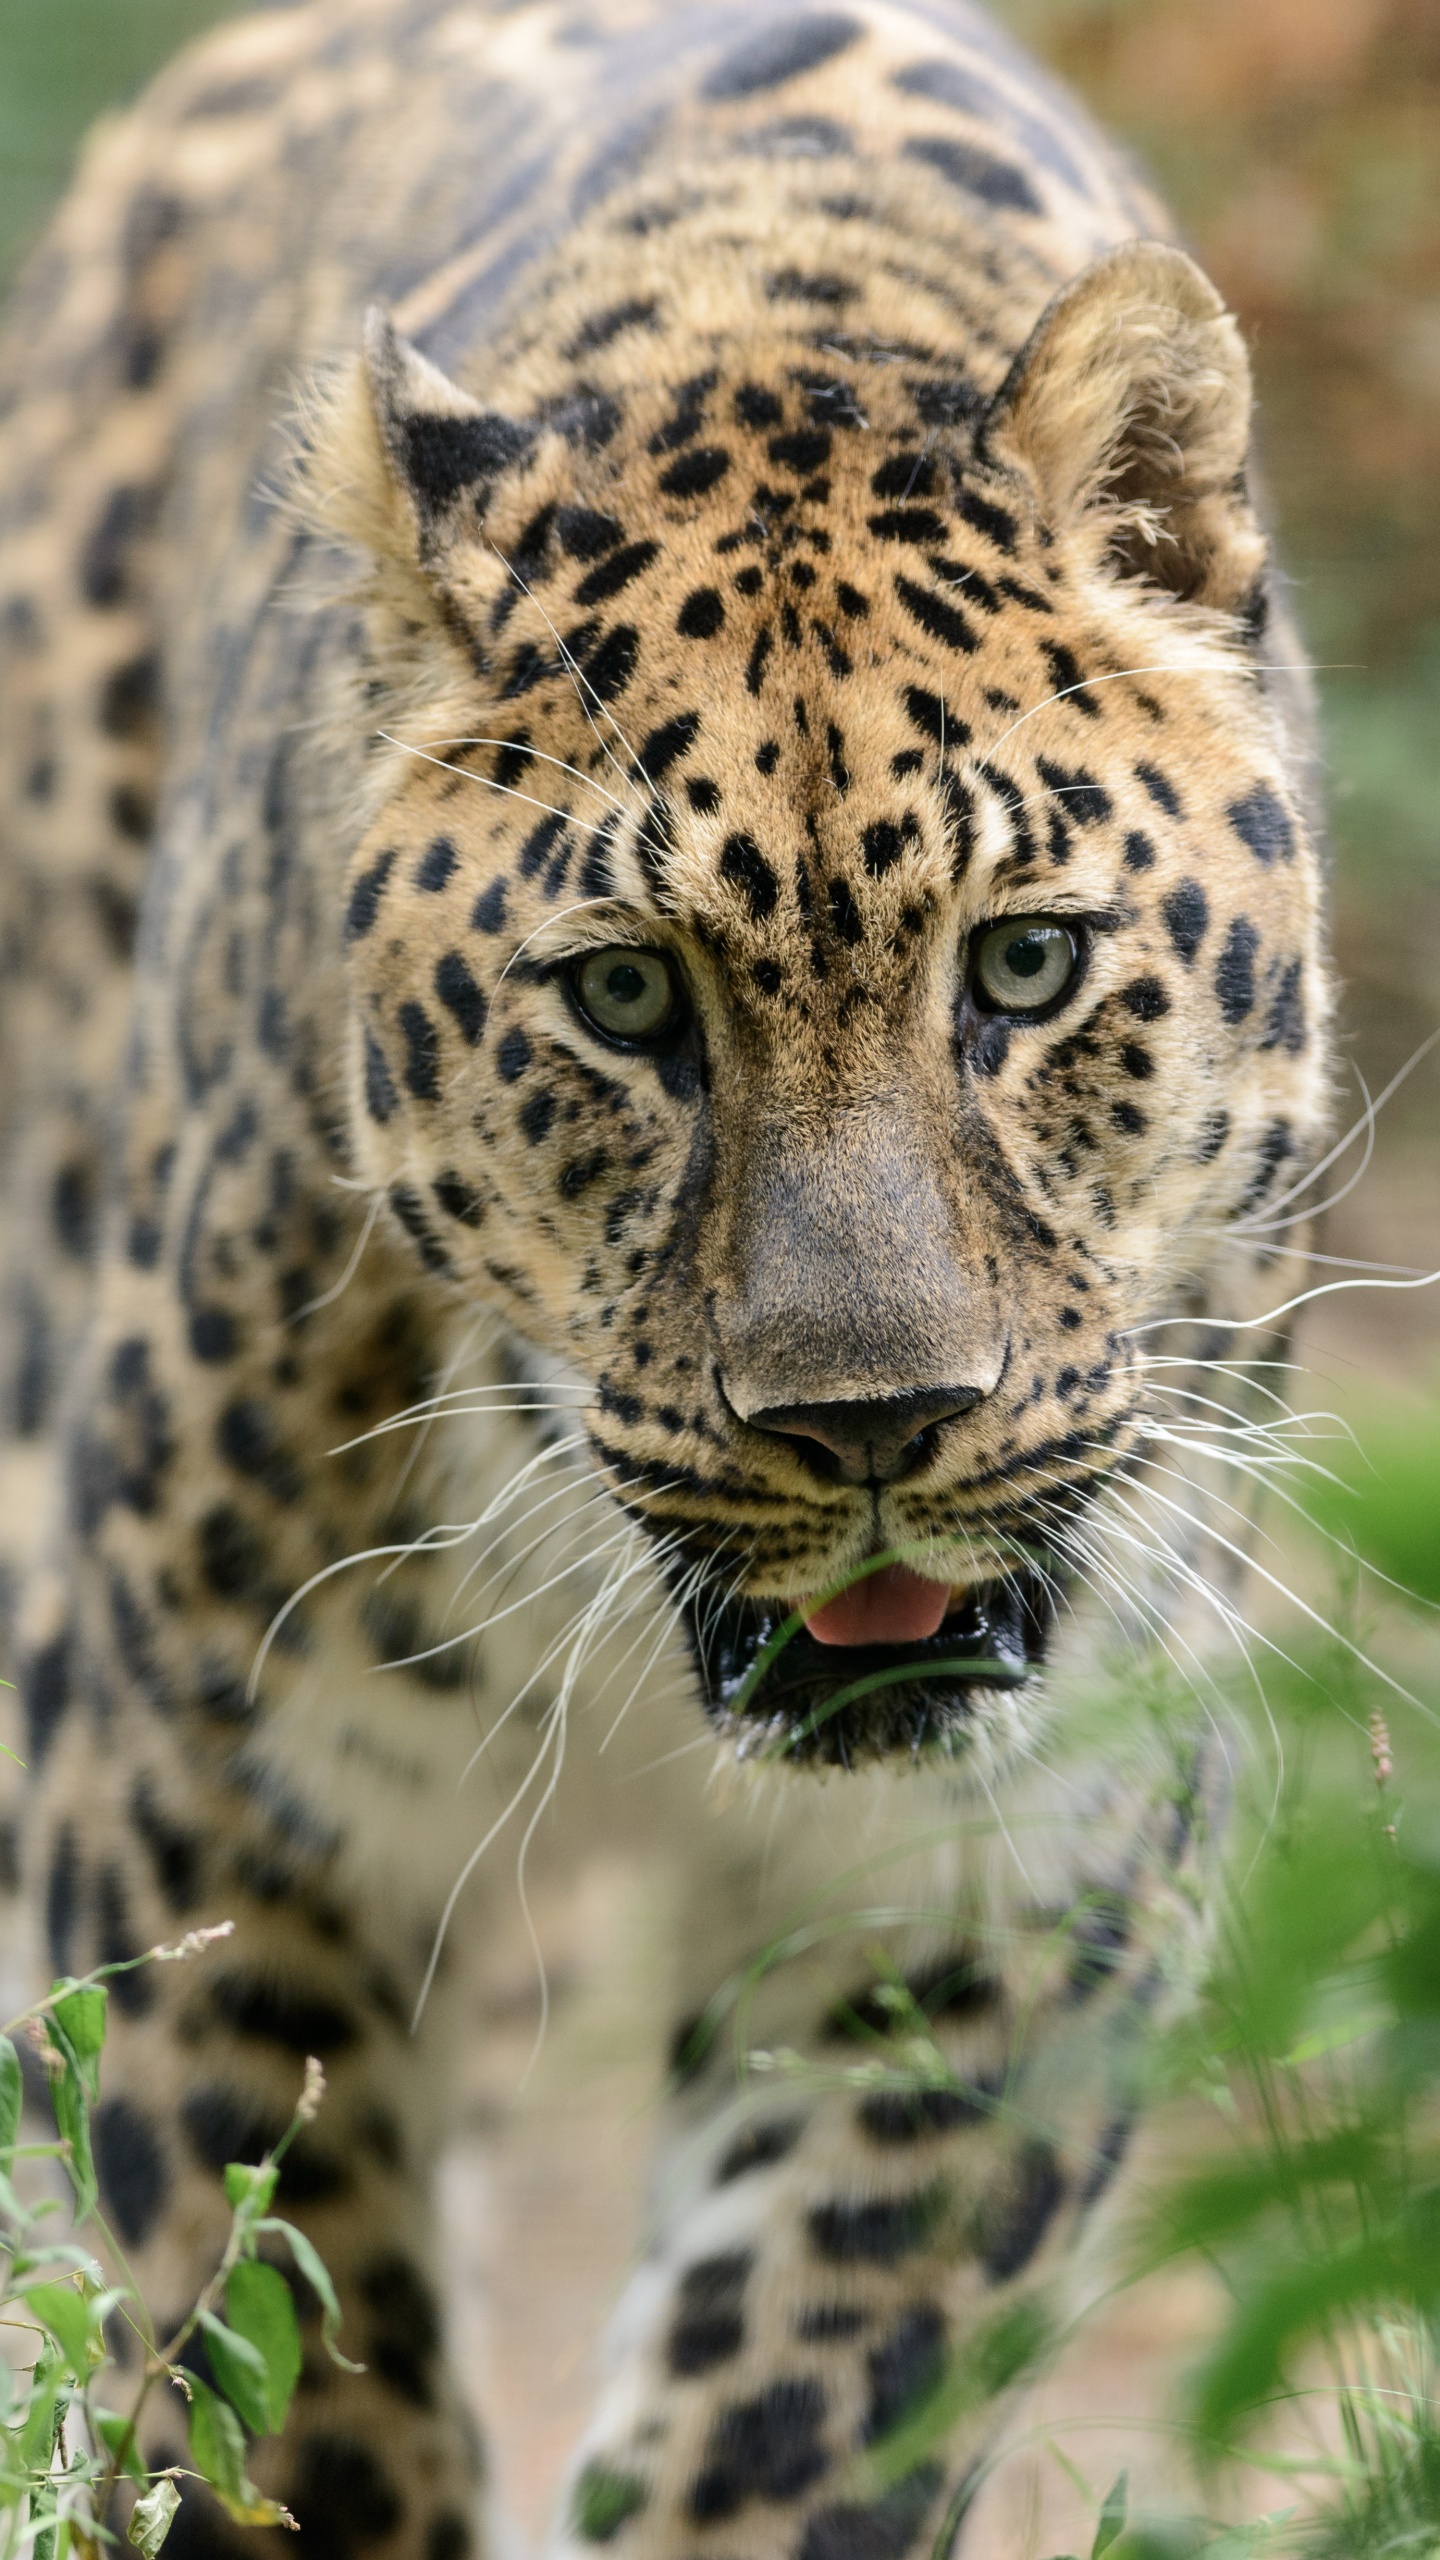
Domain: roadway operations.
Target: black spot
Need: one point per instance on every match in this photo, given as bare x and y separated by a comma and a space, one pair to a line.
603, 327
1187, 914
844, 914
461, 995
403, 2338
488, 913
908, 524
946, 401
1110, 2150
904, 476
126, 515
45, 1687
913, 2115
701, 615
448, 2538
1139, 852
796, 44
942, 621
979, 173
905, 2369
381, 1099
709, 2323
767, 756
759, 2147
882, 845
130, 2165
1285, 1020
1125, 1116
1276, 1145
616, 572
1262, 822
131, 698
1161, 789
955, 1986
802, 452
1235, 970
232, 1556
882, 2531
62, 1900
1146, 998
1013, 2225
248, 1440
1086, 801
934, 718
876, 2231
1136, 1061
72, 1209
341, 2497
666, 745
581, 1172
512, 761
365, 897
458, 1199
742, 862
585, 534
852, 604
513, 1055
756, 407
444, 455
252, 2004
537, 1117
695, 472
409, 1208
438, 863
768, 2447
175, 1854
132, 812
755, 667
609, 668
422, 1051
702, 794
213, 1334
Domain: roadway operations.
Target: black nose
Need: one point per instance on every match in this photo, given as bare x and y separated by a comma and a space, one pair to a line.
871, 1439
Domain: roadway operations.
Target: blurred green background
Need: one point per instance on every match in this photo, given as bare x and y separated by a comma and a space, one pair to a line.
1300, 142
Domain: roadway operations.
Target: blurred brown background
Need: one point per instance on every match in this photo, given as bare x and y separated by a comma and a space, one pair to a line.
1300, 142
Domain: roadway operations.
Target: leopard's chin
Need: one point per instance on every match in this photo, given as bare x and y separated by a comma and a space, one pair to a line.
799, 1702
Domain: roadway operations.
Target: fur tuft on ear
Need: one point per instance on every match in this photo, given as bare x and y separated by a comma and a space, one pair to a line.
1129, 404
390, 445
439, 442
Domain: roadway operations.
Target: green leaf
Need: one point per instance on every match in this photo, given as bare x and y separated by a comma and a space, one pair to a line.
80, 2017
12, 2095
254, 2187
1112, 2517
70, 2319
261, 2308
37, 2434
240, 2371
152, 2516
69, 2098
118, 2437
217, 2448
311, 2265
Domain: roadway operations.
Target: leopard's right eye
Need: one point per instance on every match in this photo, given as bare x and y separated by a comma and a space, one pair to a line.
1024, 965
631, 997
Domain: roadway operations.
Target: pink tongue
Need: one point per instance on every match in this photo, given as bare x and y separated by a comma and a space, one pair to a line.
893, 1606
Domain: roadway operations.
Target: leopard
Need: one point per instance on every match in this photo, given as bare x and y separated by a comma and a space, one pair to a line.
665, 1003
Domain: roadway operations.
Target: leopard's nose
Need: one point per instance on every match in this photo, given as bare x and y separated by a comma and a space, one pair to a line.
867, 1439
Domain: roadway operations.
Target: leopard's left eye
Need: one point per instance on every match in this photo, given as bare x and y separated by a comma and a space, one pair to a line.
1024, 965
628, 995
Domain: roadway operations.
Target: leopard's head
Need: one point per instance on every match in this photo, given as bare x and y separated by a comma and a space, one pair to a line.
835, 948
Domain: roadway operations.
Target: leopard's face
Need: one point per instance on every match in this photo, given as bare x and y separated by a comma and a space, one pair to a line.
843, 961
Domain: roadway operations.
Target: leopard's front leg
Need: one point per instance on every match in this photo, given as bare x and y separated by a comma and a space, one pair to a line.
867, 2227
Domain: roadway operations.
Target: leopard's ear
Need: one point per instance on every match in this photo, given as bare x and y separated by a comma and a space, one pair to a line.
399, 457
1130, 405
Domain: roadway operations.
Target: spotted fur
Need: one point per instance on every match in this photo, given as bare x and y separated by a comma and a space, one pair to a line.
769, 493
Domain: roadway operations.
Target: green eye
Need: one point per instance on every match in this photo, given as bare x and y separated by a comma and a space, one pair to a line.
628, 995
1025, 964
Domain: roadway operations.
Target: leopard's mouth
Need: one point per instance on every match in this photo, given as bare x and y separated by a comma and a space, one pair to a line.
789, 1696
